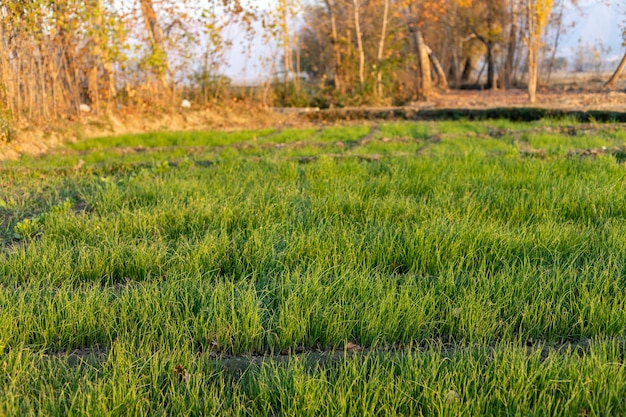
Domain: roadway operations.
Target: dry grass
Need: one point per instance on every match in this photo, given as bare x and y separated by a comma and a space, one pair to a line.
38, 139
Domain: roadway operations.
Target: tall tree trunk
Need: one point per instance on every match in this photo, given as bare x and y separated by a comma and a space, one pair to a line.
442, 81
359, 40
492, 81
381, 48
110, 86
453, 42
533, 49
426, 84
64, 48
538, 14
611, 82
454, 72
489, 61
6, 93
94, 70
556, 41
468, 69
349, 74
297, 67
511, 47
43, 87
155, 34
336, 51
424, 62
287, 61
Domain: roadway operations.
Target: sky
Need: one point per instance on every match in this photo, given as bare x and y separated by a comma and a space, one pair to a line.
599, 22
592, 23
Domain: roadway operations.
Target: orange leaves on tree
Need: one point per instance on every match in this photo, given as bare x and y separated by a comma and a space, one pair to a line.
428, 11
543, 8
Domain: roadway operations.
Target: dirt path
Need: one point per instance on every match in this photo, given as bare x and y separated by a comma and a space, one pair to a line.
597, 99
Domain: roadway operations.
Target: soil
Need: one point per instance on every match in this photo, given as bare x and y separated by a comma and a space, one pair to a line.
558, 100
312, 357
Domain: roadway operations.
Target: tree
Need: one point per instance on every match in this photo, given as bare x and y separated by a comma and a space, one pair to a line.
332, 16
486, 21
44, 57
424, 63
101, 67
286, 9
381, 49
158, 57
537, 14
611, 82
422, 52
359, 38
620, 68
511, 43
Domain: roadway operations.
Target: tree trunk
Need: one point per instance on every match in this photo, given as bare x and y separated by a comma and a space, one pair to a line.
110, 80
454, 72
533, 47
511, 47
556, 41
297, 67
468, 69
492, 81
532, 73
287, 62
426, 84
442, 81
611, 82
359, 39
424, 62
336, 52
381, 47
538, 14
156, 38
6, 84
94, 70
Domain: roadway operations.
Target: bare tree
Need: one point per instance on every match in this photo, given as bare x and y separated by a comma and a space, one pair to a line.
618, 72
101, 68
511, 43
538, 12
381, 48
332, 15
155, 33
359, 39
426, 84
442, 80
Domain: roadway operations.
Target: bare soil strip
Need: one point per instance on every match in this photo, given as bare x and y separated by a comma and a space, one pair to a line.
312, 357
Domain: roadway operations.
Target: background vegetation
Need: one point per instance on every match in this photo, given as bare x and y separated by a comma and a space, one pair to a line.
57, 58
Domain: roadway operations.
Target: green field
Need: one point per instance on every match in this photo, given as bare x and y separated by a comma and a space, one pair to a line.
480, 267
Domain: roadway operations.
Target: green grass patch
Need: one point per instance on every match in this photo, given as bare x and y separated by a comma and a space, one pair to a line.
290, 135
343, 133
478, 280
420, 130
163, 139
556, 144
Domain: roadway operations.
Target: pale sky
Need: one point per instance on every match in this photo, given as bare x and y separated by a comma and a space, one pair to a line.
599, 22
